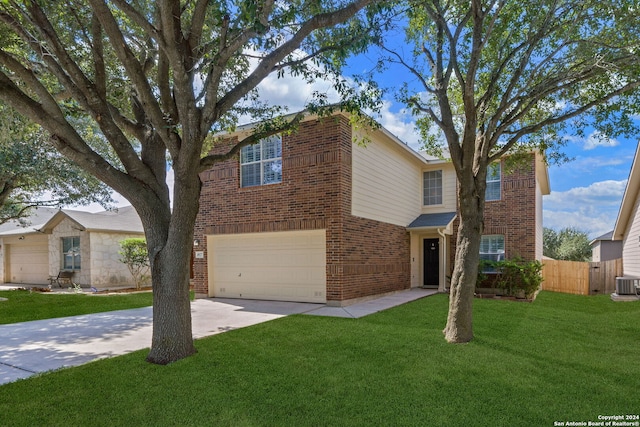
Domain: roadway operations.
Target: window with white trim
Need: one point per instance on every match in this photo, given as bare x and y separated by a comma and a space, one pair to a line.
71, 253
494, 173
491, 249
261, 163
432, 187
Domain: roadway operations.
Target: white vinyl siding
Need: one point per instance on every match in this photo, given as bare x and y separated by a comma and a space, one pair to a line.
493, 182
386, 182
449, 189
631, 243
261, 163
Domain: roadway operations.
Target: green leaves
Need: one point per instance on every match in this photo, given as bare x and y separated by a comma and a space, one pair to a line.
569, 244
33, 175
514, 68
134, 255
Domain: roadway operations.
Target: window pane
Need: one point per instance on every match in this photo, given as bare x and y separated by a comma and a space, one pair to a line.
272, 172
493, 182
250, 175
71, 253
491, 249
432, 183
261, 163
272, 147
250, 154
493, 191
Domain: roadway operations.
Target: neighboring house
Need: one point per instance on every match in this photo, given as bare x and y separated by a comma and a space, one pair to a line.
627, 228
604, 248
315, 217
82, 242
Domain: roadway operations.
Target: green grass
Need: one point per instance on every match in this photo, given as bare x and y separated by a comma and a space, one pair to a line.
561, 358
23, 306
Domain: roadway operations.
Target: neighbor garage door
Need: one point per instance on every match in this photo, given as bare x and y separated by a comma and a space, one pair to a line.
29, 262
284, 266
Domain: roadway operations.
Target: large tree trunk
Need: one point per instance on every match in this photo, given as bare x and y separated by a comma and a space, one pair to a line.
170, 239
459, 328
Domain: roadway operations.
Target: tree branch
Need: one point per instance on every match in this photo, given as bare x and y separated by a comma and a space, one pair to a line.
136, 73
213, 111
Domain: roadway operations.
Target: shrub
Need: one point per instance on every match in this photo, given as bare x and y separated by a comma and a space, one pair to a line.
134, 255
516, 275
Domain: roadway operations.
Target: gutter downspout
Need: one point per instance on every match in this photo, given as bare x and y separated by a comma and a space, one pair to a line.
441, 233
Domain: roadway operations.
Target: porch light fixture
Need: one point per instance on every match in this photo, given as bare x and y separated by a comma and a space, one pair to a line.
196, 242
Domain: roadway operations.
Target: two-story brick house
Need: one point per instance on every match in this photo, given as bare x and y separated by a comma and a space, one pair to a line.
315, 217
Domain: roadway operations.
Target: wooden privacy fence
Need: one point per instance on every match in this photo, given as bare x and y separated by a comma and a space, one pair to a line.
582, 278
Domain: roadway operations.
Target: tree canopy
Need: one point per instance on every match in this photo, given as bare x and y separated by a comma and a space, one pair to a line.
155, 79
497, 77
31, 175
569, 244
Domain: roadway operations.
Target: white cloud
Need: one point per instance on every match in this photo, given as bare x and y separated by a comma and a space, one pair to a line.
598, 139
592, 209
400, 123
294, 92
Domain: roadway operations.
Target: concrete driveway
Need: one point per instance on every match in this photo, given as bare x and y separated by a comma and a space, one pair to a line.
34, 347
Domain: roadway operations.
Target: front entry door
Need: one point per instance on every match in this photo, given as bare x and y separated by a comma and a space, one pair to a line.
431, 263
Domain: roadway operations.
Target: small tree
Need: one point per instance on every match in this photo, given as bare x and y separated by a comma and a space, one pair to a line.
134, 255
499, 77
569, 244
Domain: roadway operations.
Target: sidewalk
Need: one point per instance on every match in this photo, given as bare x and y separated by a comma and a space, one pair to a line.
34, 347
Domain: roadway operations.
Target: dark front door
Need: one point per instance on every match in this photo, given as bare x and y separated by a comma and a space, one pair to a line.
431, 263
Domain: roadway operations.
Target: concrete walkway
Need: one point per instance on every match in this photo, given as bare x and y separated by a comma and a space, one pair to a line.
34, 347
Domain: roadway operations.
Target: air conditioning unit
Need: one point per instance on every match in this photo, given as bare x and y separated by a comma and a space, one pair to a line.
626, 285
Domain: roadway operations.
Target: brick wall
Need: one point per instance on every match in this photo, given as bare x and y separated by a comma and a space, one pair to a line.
364, 257
514, 215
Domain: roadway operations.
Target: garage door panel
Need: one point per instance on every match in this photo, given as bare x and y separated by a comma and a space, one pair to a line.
28, 262
288, 266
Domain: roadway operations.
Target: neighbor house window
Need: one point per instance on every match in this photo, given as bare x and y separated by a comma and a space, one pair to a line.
493, 182
432, 183
491, 249
71, 253
261, 163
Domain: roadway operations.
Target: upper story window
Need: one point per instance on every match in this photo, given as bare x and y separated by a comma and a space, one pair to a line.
432, 184
493, 182
261, 163
71, 253
491, 249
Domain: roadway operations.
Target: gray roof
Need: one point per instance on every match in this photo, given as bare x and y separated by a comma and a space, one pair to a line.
125, 220
606, 236
34, 222
436, 220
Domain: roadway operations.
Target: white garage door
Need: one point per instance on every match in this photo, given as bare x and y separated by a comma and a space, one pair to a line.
282, 266
28, 262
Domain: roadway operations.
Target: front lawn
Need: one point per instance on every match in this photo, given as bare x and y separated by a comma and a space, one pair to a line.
23, 306
562, 358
